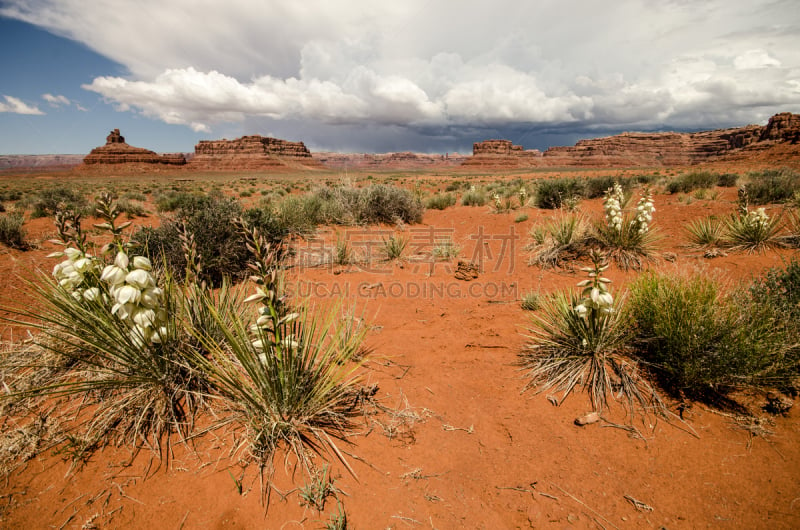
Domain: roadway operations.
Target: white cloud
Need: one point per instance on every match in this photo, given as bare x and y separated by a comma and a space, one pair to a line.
17, 106
752, 59
55, 101
420, 65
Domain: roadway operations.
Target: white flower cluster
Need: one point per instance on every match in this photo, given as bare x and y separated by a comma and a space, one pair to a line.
497, 203
595, 294
757, 219
71, 273
268, 322
612, 205
472, 189
644, 212
523, 196
138, 301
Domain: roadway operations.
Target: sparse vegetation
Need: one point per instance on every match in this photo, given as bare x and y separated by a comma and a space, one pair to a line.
705, 232
772, 186
701, 342
691, 181
440, 201
12, 233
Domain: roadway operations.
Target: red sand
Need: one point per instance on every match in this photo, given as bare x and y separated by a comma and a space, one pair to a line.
483, 454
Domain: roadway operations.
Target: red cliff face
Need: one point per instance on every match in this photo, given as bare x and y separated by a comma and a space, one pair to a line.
116, 151
251, 152
645, 149
502, 153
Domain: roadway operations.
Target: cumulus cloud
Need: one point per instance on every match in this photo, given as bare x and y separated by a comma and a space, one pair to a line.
422, 68
17, 106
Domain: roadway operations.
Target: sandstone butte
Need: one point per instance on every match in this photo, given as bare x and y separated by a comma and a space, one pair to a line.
252, 152
116, 151
632, 149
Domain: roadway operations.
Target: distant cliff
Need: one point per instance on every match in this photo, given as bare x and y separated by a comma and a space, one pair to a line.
645, 149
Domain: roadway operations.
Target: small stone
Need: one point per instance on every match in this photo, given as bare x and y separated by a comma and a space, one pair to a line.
587, 419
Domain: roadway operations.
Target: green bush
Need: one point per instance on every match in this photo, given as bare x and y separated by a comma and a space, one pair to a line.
706, 232
700, 342
440, 201
476, 197
47, 201
727, 180
389, 204
691, 181
11, 231
550, 194
220, 245
772, 185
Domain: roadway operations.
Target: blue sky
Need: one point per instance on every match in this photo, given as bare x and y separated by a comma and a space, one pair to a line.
366, 76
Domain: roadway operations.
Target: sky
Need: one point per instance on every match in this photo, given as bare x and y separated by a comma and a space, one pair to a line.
373, 76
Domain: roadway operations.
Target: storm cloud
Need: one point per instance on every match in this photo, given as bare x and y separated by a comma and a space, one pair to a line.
357, 75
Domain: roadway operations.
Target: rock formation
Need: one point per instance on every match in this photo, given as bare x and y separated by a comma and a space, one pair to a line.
404, 160
251, 152
116, 151
645, 149
502, 153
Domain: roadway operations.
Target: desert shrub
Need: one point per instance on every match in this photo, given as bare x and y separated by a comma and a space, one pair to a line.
597, 186
727, 180
445, 249
47, 201
474, 197
700, 342
580, 341
706, 232
300, 214
10, 195
219, 243
560, 240
179, 200
454, 186
691, 181
440, 201
772, 185
134, 196
754, 231
12, 232
388, 204
131, 209
521, 218
551, 193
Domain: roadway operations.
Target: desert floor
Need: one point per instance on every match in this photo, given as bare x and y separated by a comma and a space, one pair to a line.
460, 444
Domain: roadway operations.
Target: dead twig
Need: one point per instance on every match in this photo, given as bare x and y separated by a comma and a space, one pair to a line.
639, 505
574, 498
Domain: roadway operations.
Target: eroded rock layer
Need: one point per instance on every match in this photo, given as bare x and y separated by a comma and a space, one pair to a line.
116, 151
404, 160
251, 152
645, 149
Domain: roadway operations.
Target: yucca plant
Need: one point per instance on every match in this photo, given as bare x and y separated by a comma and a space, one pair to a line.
706, 232
288, 379
394, 246
117, 331
445, 249
627, 238
752, 232
581, 341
